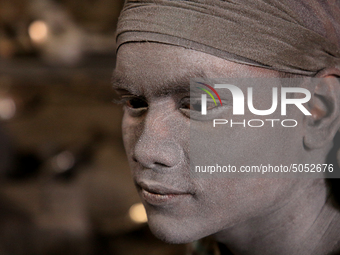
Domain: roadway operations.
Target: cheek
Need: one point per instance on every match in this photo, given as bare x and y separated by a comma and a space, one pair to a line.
231, 201
247, 146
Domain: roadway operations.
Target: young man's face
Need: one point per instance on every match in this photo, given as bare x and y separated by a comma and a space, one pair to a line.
153, 80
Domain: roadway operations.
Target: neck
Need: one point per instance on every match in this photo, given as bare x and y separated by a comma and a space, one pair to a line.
306, 224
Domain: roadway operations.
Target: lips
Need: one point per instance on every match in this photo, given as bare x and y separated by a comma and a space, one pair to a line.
159, 194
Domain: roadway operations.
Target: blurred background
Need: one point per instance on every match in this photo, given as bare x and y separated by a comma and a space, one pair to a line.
65, 182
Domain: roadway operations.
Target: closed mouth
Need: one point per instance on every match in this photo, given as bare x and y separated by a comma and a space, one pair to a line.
157, 194
160, 189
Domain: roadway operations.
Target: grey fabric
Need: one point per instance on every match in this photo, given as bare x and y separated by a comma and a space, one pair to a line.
297, 36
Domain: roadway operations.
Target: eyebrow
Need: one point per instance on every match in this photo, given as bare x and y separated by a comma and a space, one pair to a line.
176, 85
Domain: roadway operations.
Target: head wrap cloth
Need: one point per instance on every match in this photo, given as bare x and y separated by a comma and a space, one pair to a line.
296, 36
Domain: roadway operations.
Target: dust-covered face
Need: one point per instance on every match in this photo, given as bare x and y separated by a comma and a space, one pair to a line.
153, 82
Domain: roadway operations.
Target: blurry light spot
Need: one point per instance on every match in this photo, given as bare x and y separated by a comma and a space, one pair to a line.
63, 161
137, 213
7, 108
38, 31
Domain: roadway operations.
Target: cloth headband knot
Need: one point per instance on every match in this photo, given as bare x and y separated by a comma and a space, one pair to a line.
296, 36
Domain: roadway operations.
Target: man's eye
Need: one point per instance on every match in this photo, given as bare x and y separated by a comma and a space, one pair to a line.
133, 102
191, 106
136, 103
195, 105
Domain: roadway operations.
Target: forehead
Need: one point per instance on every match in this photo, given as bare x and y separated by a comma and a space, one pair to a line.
148, 67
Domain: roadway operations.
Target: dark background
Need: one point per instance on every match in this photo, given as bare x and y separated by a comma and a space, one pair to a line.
65, 182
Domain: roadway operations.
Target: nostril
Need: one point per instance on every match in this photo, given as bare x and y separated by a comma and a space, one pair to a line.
161, 164
156, 163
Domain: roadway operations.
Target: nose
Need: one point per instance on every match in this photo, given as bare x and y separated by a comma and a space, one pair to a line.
158, 145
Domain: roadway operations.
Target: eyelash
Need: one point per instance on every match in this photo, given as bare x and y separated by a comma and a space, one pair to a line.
135, 105
193, 105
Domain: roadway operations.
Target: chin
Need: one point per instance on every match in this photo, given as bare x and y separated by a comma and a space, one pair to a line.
176, 231
170, 234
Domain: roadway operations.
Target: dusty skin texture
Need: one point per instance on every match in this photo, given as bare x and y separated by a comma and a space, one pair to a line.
250, 216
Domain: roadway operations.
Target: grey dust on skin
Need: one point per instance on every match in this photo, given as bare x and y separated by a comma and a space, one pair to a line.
250, 216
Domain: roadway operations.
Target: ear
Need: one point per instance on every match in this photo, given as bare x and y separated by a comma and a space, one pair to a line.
324, 106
